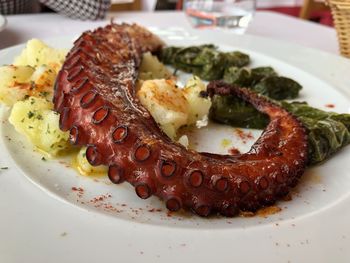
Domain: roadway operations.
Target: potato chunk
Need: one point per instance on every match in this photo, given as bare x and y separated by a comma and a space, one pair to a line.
166, 103
44, 75
35, 119
19, 82
198, 105
37, 53
151, 68
14, 83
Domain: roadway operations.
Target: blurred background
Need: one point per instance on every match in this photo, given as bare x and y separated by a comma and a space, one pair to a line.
313, 10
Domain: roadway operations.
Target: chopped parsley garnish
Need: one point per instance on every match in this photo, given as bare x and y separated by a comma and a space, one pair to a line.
30, 114
43, 93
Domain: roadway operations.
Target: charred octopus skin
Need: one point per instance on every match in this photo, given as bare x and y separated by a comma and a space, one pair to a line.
95, 96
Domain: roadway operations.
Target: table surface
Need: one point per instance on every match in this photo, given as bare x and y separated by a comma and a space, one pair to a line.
36, 210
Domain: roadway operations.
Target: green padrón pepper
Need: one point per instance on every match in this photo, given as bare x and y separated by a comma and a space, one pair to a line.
328, 132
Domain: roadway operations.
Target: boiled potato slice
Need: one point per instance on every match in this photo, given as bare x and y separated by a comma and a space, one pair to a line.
166, 103
43, 80
198, 105
14, 83
44, 75
37, 53
35, 119
151, 68
19, 82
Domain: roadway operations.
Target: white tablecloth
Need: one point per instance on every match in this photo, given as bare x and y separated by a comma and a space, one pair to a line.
20, 28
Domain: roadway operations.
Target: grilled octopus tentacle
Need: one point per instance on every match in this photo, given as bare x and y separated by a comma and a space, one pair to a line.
95, 96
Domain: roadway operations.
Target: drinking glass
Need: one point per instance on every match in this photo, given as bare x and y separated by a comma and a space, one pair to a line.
232, 14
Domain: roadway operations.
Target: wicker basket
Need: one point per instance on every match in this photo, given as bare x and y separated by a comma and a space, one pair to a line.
341, 16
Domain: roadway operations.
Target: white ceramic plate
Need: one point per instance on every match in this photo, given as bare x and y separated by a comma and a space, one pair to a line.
2, 22
313, 226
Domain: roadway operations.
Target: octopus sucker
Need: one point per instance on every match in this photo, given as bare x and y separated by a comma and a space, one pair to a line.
95, 96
